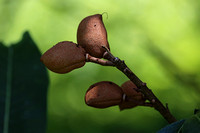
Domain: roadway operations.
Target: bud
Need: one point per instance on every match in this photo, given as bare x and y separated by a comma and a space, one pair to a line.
103, 94
92, 35
133, 98
64, 57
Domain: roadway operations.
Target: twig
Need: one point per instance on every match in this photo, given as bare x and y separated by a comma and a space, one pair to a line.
90, 58
140, 103
164, 111
148, 104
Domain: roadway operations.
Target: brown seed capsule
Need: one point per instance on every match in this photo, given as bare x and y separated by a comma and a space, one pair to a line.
133, 98
92, 35
64, 57
103, 94
129, 88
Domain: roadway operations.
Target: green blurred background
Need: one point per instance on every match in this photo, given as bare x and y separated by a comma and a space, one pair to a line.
159, 40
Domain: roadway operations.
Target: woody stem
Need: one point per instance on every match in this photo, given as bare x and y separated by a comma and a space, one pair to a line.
90, 58
156, 103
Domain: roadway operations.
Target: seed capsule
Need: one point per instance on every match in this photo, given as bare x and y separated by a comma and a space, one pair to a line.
129, 88
64, 57
133, 98
103, 94
92, 35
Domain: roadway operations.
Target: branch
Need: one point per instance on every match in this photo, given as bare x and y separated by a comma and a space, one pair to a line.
119, 64
90, 58
147, 104
140, 103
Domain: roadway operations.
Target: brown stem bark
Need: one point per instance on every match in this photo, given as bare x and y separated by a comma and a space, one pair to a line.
156, 103
90, 58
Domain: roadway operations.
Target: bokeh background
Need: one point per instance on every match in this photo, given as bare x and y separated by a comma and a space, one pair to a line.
159, 41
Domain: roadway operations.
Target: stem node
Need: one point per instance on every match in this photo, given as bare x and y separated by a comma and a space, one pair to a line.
142, 87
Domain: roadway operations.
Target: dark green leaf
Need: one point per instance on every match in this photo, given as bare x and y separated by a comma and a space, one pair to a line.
23, 88
192, 125
172, 128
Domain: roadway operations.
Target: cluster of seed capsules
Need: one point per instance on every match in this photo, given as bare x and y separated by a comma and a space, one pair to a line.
66, 56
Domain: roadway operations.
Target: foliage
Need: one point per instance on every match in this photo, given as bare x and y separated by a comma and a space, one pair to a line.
23, 88
172, 128
190, 125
